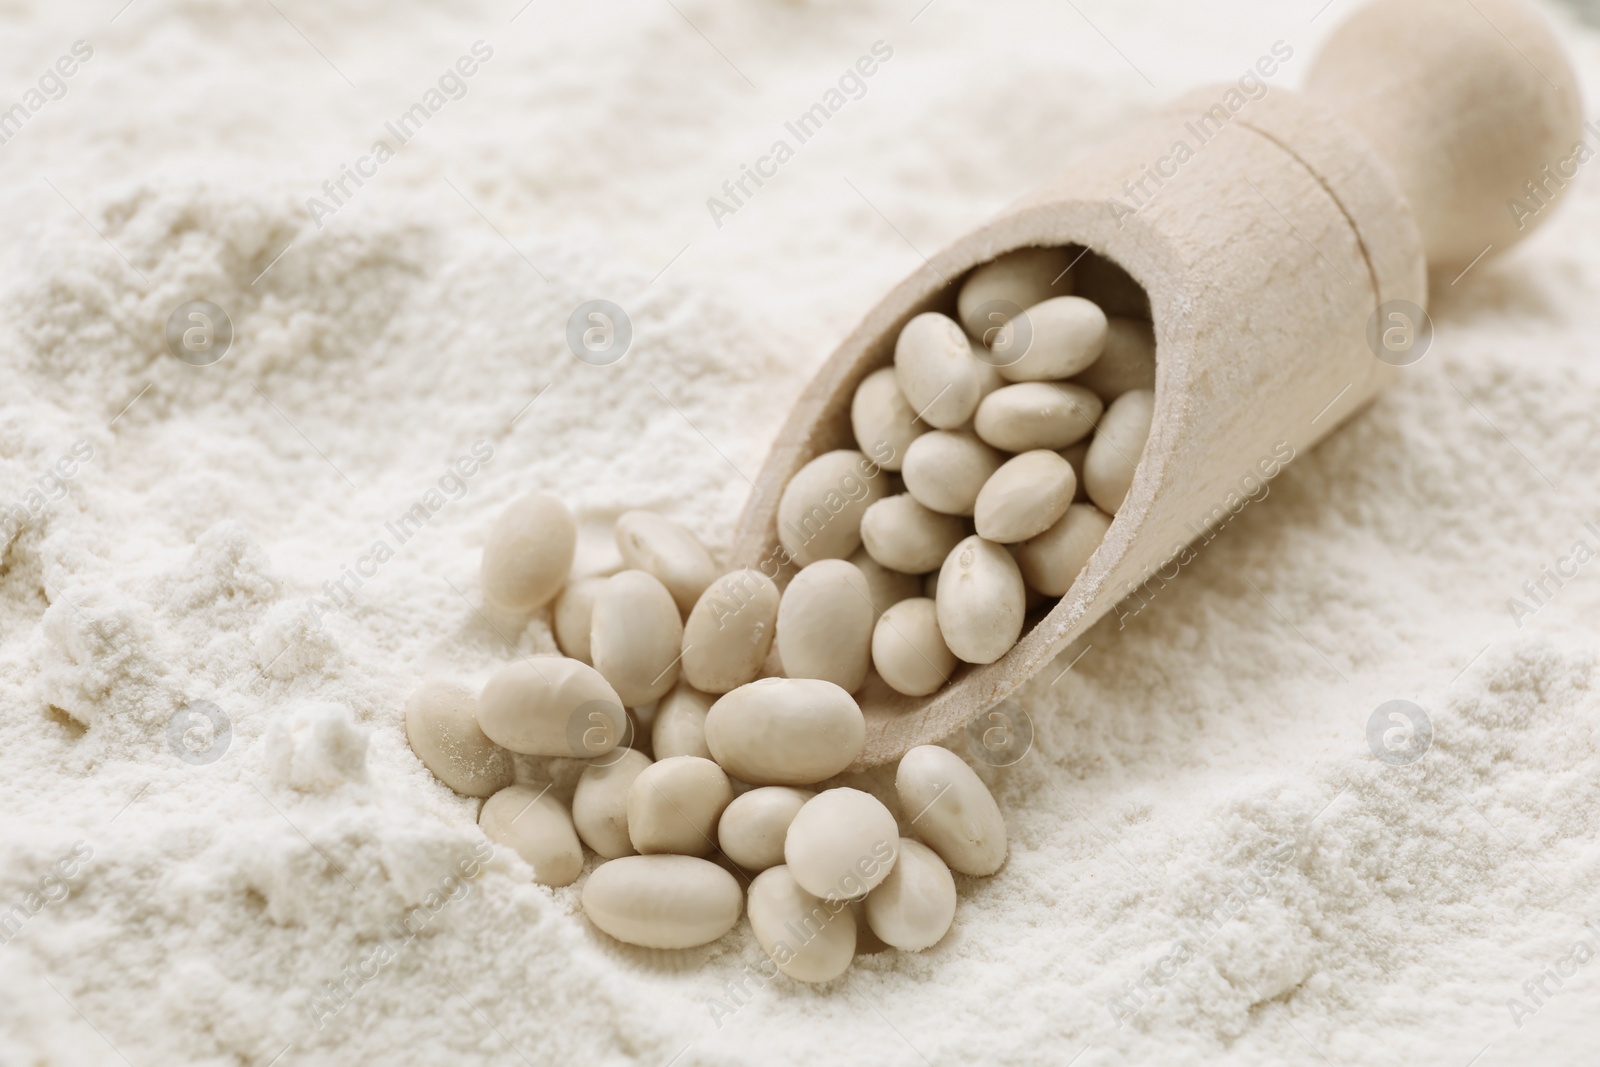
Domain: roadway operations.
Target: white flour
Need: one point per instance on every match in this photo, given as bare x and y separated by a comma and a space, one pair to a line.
1203, 848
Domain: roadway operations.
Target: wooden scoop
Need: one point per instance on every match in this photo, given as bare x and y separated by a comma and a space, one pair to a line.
1275, 254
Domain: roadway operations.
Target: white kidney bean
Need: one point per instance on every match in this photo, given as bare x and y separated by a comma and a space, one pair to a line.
809, 939
883, 422
752, 829
1051, 562
1032, 415
729, 632
667, 551
662, 901
981, 601
674, 805
1114, 453
1128, 362
1024, 497
825, 624
551, 706
528, 553
785, 731
913, 907
1022, 278
888, 587
537, 827
1062, 337
600, 803
904, 535
945, 470
819, 514
956, 815
841, 844
908, 650
572, 614
442, 728
636, 636
679, 728
938, 376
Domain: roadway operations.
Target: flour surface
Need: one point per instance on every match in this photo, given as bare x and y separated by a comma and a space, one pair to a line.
1208, 864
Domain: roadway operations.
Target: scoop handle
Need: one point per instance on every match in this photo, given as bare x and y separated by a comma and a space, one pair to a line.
1474, 106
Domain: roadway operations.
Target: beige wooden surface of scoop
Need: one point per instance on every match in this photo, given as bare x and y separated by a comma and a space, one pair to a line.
1264, 259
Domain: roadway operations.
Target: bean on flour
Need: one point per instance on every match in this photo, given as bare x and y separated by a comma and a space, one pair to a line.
993, 454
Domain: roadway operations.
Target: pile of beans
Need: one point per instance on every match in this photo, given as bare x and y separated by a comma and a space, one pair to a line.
1015, 438
699, 783
722, 820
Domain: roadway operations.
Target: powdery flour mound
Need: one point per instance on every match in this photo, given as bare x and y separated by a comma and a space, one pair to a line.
1207, 862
